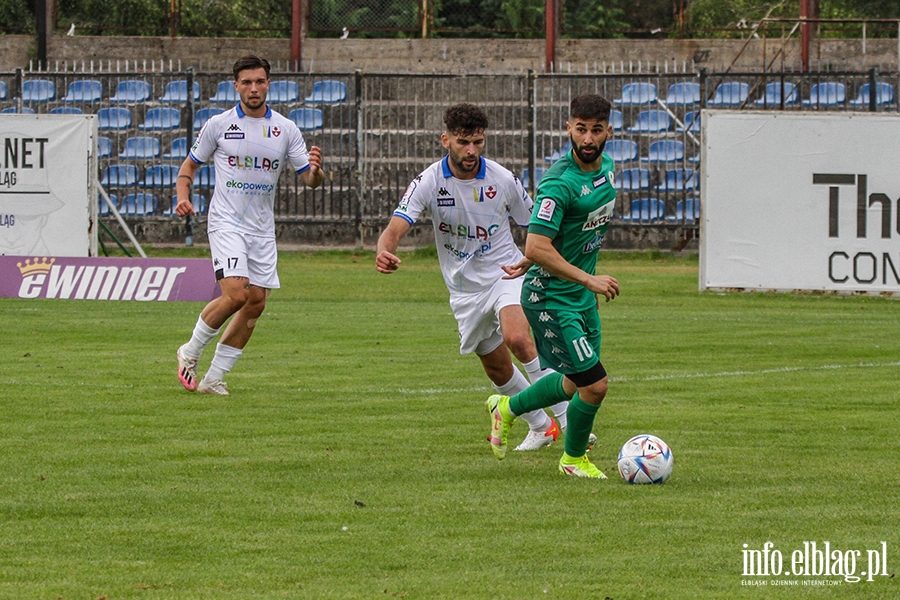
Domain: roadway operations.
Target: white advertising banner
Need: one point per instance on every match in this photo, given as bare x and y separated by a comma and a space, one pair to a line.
800, 201
46, 177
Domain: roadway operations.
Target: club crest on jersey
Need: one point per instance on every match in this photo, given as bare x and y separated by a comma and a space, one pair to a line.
271, 132
490, 192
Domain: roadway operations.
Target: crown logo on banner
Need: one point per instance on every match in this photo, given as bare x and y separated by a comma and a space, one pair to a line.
37, 266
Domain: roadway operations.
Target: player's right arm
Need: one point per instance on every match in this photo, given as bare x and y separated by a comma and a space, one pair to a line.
540, 249
183, 185
385, 260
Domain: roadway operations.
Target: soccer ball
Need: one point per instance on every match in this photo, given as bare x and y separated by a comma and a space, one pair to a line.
645, 459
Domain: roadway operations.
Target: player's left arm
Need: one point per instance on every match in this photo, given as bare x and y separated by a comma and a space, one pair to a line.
314, 175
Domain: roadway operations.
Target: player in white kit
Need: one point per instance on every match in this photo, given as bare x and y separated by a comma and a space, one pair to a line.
471, 200
249, 145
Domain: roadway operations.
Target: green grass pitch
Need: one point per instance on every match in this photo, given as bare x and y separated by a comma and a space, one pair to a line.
350, 460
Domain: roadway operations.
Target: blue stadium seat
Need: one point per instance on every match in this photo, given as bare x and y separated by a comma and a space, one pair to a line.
138, 205
3, 90
205, 177
634, 179
11, 110
66, 110
651, 121
679, 180
327, 92
38, 90
141, 147
103, 207
636, 94
526, 181
159, 176
730, 93
691, 122
133, 90
622, 151
645, 210
663, 151
84, 90
225, 92
283, 91
179, 149
772, 95
161, 119
557, 154
113, 118
307, 118
616, 120
203, 115
104, 147
884, 95
176, 91
684, 93
120, 175
686, 211
827, 94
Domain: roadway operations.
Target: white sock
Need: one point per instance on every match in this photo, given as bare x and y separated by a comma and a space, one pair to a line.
222, 362
201, 337
535, 371
537, 419
559, 411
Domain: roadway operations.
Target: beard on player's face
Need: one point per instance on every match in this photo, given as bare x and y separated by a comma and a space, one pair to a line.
587, 153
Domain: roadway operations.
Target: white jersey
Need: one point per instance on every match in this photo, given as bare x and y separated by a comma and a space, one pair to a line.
248, 154
471, 221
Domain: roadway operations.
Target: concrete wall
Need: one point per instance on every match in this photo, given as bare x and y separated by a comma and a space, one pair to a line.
444, 55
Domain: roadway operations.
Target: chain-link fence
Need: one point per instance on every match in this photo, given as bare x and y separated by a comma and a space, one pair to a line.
377, 131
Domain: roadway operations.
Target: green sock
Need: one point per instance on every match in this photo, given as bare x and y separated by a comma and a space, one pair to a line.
580, 415
544, 392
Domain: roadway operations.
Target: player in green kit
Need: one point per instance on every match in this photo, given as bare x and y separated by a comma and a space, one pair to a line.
575, 201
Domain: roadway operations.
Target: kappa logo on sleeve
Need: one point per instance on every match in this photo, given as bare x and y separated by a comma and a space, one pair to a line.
545, 212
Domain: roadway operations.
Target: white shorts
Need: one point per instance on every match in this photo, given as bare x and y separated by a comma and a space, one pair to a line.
478, 315
240, 255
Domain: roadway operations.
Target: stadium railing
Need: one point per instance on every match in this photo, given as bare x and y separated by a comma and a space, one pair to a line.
377, 131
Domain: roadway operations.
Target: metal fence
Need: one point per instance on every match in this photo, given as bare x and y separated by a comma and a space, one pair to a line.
377, 131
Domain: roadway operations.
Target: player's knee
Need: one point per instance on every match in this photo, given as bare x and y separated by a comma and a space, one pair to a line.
521, 345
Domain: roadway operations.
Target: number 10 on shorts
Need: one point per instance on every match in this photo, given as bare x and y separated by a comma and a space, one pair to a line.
582, 349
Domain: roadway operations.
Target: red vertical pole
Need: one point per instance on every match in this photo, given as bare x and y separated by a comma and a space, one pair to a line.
296, 31
550, 30
804, 35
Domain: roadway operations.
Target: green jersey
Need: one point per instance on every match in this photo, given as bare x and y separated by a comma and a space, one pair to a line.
572, 208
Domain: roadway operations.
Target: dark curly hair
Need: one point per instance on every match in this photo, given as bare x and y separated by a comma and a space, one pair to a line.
590, 106
465, 119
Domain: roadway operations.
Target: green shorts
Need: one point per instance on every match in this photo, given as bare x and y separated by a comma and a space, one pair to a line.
567, 341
